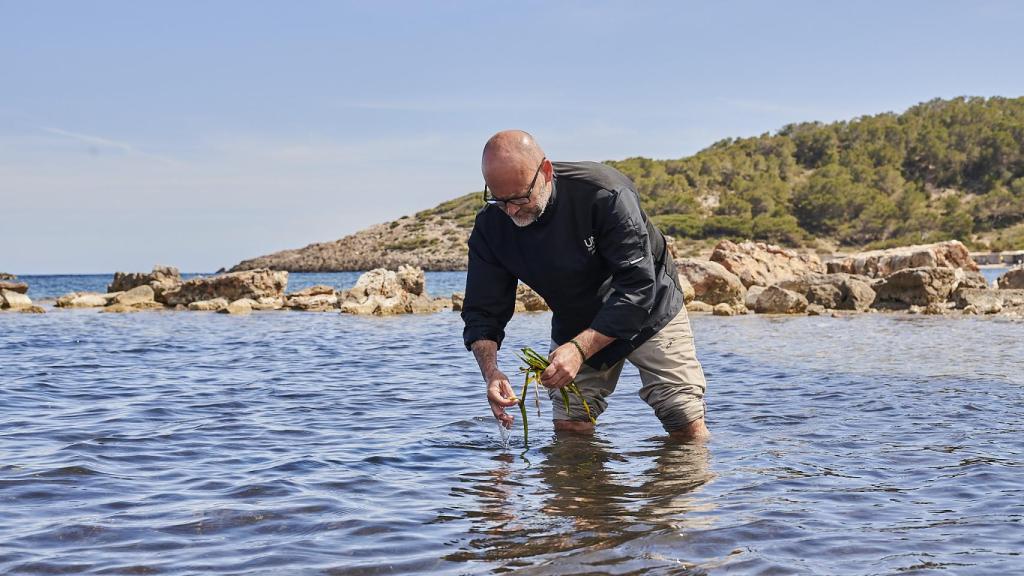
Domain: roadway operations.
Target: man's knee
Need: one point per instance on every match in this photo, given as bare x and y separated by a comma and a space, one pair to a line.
575, 426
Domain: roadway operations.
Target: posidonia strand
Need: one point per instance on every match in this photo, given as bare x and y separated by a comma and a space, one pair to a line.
534, 365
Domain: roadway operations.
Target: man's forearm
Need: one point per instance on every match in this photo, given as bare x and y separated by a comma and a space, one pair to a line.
592, 341
486, 354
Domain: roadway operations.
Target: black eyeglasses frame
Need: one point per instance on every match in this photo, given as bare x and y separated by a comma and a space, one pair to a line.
516, 200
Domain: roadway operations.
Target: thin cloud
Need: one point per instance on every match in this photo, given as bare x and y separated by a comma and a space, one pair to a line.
100, 142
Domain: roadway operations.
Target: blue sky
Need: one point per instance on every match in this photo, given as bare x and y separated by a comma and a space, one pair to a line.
197, 134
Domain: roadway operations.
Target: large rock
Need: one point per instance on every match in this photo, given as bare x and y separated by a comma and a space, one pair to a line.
85, 300
7, 276
162, 279
319, 298
412, 280
1012, 297
834, 291
980, 300
882, 263
530, 300
212, 305
240, 306
750, 300
11, 300
688, 292
458, 298
761, 264
252, 284
135, 307
19, 287
139, 295
918, 286
380, 292
1012, 280
777, 300
712, 283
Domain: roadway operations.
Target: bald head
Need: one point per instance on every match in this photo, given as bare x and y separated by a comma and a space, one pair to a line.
515, 168
509, 152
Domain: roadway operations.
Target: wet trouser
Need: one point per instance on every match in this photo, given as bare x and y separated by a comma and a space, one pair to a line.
673, 381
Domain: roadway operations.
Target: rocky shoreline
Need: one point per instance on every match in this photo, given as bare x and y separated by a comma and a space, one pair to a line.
749, 277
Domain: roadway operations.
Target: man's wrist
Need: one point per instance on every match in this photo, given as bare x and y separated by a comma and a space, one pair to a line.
579, 348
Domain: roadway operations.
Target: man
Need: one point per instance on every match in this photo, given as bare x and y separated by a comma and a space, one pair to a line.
575, 233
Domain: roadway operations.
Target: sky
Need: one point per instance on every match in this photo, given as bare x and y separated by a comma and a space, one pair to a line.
198, 134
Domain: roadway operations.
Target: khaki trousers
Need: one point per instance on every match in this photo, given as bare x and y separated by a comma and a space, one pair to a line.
673, 380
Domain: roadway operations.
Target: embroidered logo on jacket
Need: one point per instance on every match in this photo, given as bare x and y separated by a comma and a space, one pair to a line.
589, 243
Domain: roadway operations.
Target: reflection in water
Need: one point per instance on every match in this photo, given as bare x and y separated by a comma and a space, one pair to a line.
588, 498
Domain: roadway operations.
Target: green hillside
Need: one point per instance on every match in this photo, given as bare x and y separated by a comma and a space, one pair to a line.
943, 169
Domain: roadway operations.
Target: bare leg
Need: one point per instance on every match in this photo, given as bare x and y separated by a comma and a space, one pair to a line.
577, 426
696, 431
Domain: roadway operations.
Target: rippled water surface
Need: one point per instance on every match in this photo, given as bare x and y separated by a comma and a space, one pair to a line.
316, 443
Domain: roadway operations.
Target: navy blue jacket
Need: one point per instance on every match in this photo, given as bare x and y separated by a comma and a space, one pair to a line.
593, 256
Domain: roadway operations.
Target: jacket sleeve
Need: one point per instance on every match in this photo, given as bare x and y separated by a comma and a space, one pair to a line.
624, 245
490, 295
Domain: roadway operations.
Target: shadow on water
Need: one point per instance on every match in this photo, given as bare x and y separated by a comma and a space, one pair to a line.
581, 503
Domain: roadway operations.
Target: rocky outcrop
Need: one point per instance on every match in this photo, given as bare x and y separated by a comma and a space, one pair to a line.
317, 298
138, 295
19, 287
918, 286
240, 306
833, 291
429, 242
7, 276
380, 292
761, 264
457, 300
777, 300
882, 263
688, 292
712, 283
85, 300
162, 279
251, 284
528, 300
1012, 280
212, 305
979, 300
11, 300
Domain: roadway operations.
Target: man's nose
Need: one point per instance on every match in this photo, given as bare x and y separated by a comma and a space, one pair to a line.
512, 209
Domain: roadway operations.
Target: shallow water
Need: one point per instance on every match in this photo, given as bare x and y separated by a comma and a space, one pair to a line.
316, 443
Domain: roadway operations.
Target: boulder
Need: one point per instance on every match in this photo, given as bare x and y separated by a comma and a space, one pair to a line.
19, 287
698, 306
918, 286
711, 282
778, 300
412, 280
457, 299
882, 263
725, 310
7, 276
751, 298
136, 307
268, 303
380, 292
1012, 297
9, 299
687, 288
318, 290
32, 310
85, 300
979, 300
531, 301
815, 310
139, 295
212, 305
252, 284
314, 303
240, 306
835, 291
1012, 280
161, 279
761, 264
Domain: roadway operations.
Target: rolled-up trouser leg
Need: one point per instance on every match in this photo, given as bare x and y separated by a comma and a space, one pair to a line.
595, 385
673, 380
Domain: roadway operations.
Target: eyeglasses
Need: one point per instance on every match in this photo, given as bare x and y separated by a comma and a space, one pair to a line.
515, 200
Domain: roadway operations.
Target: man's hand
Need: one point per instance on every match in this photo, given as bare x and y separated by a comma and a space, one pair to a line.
500, 396
565, 364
